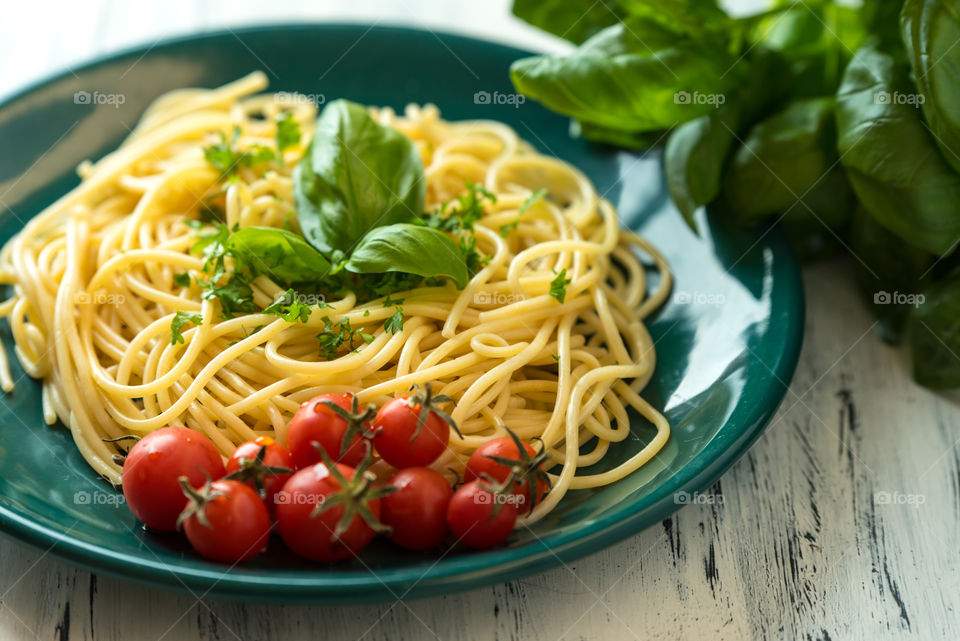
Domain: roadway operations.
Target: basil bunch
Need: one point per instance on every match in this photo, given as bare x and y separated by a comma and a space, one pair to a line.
842, 122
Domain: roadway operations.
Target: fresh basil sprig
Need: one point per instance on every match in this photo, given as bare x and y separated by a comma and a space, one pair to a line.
356, 175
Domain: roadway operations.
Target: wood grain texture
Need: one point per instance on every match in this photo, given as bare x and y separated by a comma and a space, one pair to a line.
842, 522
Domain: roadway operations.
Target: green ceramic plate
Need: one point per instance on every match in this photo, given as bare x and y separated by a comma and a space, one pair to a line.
727, 343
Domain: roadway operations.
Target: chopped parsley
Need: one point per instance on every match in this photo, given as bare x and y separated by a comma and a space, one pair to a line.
288, 134
555, 357
473, 258
505, 230
558, 286
335, 335
394, 324
183, 280
462, 213
227, 159
232, 288
235, 295
180, 319
289, 308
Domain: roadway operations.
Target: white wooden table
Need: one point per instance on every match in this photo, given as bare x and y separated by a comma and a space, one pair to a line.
842, 522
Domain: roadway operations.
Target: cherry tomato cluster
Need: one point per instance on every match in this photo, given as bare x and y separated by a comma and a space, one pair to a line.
319, 493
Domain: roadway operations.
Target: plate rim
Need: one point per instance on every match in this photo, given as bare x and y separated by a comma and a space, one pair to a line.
457, 573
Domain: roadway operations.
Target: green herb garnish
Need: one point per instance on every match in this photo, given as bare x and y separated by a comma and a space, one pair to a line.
289, 308
227, 159
558, 286
505, 230
180, 319
394, 324
337, 334
288, 133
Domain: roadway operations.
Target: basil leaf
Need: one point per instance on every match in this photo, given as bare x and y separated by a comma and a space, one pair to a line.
698, 150
931, 30
815, 41
696, 17
282, 255
573, 20
790, 155
880, 19
357, 175
891, 160
935, 335
887, 267
693, 161
409, 248
635, 76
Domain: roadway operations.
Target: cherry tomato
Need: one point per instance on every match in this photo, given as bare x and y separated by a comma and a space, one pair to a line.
471, 516
226, 521
153, 467
480, 465
417, 511
261, 473
400, 439
332, 534
315, 422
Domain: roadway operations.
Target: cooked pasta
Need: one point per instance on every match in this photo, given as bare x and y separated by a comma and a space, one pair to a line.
95, 289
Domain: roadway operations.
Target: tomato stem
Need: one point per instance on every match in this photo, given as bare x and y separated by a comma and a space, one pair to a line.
427, 401
354, 495
197, 501
525, 469
257, 471
355, 419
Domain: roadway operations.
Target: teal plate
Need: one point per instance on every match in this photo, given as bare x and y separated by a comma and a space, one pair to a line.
727, 343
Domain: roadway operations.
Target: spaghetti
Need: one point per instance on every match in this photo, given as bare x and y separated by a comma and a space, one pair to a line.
94, 295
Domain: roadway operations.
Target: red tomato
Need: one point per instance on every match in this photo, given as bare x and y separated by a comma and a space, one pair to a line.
311, 531
262, 474
226, 521
315, 422
400, 439
472, 520
527, 467
154, 465
417, 511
